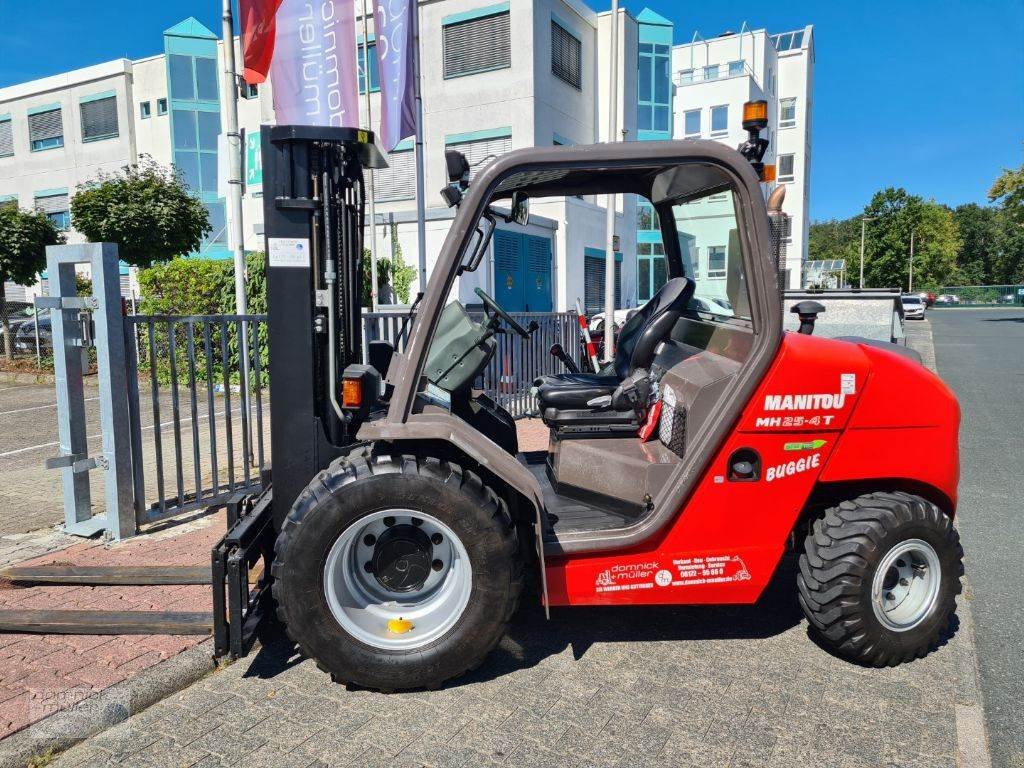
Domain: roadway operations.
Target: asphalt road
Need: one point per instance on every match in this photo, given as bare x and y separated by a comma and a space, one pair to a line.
980, 353
30, 496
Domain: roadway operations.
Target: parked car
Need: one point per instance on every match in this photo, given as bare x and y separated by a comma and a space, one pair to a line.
1006, 299
15, 319
927, 297
913, 306
945, 300
25, 338
710, 305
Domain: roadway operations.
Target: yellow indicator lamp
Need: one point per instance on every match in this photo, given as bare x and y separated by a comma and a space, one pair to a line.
399, 626
755, 114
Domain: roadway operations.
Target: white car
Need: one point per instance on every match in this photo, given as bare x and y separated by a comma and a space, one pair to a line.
913, 307
711, 305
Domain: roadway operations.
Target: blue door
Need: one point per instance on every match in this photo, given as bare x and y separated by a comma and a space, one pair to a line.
522, 272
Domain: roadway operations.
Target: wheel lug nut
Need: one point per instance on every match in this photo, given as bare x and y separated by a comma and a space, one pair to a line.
900, 564
368, 566
437, 565
436, 539
904, 582
890, 596
417, 522
389, 521
369, 540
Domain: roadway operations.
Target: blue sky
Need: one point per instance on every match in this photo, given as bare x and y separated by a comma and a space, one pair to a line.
924, 95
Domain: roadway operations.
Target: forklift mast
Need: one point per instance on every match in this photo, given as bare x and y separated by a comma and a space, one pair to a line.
314, 207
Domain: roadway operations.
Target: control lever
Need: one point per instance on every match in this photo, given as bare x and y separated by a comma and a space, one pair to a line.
558, 352
633, 392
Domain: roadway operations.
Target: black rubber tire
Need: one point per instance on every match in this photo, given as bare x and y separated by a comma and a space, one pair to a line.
838, 565
352, 488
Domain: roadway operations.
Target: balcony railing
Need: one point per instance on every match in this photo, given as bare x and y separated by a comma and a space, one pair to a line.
711, 72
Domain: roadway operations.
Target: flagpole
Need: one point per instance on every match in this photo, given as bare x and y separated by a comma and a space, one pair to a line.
421, 210
613, 129
234, 144
373, 202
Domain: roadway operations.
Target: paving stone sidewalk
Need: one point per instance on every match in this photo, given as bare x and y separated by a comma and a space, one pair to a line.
665, 686
43, 674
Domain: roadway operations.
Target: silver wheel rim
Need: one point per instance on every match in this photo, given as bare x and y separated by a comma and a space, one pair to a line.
367, 609
905, 588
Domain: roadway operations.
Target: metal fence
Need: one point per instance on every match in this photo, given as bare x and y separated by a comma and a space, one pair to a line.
509, 376
979, 296
185, 385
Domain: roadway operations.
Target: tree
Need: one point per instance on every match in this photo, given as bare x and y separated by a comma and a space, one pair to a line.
1008, 192
146, 209
24, 236
979, 232
894, 214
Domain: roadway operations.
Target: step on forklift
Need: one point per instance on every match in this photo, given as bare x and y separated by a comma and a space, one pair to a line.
400, 520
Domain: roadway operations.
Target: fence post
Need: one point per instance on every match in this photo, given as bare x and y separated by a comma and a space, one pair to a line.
69, 348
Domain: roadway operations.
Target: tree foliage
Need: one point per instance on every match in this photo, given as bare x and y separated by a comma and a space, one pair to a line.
971, 245
24, 236
1008, 192
146, 209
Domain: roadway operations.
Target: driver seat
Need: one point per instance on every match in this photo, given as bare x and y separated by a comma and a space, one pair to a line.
637, 340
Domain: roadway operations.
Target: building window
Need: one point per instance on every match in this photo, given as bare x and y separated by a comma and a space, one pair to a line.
144, 110
654, 91
481, 149
685, 76
375, 68
192, 78
787, 113
735, 68
647, 217
56, 208
691, 123
161, 106
398, 180
195, 148
720, 120
651, 269
785, 168
6, 138
478, 44
566, 56
45, 130
716, 261
99, 119
593, 280
711, 72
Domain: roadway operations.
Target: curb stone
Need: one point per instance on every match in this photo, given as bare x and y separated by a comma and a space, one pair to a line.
62, 730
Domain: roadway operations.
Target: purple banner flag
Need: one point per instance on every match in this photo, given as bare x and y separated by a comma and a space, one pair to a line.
314, 66
393, 24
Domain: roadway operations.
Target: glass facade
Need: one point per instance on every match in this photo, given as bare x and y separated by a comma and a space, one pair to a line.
654, 123
194, 93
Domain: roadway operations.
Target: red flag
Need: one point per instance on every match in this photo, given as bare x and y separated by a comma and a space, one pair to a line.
258, 33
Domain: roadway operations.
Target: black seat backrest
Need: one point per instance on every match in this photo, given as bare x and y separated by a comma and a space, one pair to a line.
642, 333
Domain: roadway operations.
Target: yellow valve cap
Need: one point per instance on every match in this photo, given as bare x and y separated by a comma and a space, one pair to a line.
399, 626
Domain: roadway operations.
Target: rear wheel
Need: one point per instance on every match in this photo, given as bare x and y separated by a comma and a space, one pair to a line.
879, 577
397, 572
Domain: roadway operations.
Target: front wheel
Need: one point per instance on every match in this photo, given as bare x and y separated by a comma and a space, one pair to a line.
879, 577
397, 572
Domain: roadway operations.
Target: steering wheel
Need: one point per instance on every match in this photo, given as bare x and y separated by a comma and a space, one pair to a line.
492, 305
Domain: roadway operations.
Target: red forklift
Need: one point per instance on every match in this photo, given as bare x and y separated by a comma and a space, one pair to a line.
400, 521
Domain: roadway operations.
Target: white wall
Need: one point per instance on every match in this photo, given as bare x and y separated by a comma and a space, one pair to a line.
77, 162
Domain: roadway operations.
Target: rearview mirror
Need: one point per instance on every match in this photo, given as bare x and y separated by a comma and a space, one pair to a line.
520, 209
